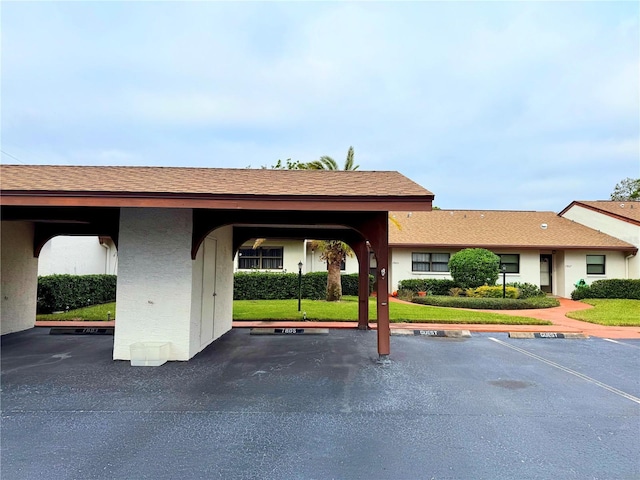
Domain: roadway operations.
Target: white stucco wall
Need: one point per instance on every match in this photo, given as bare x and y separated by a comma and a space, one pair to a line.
611, 226
316, 264
212, 316
401, 266
155, 277
19, 277
575, 268
292, 253
77, 255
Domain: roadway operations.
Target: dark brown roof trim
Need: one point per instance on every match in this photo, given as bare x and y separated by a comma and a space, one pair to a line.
207, 201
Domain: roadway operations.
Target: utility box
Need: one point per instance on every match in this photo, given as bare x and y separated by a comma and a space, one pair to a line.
149, 354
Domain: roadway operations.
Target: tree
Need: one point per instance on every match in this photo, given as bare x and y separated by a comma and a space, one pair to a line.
628, 190
327, 163
474, 267
334, 252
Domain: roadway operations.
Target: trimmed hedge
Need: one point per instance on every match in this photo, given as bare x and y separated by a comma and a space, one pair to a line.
492, 292
614, 288
487, 303
527, 290
68, 292
283, 286
433, 286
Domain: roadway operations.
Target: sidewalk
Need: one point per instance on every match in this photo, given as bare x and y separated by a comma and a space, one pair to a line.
555, 315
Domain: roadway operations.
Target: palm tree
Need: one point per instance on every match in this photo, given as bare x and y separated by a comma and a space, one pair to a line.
333, 251
327, 163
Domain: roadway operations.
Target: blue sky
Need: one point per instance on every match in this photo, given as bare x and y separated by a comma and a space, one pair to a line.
496, 105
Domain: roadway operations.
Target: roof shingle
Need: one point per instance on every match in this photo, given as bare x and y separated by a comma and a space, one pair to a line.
626, 210
477, 228
214, 181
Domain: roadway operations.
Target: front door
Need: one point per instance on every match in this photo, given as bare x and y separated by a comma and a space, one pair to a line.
546, 273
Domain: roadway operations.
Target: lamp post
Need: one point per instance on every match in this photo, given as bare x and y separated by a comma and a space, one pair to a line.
299, 284
504, 280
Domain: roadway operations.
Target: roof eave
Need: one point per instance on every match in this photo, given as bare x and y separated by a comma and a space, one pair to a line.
207, 201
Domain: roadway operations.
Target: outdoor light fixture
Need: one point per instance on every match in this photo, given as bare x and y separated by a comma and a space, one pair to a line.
503, 267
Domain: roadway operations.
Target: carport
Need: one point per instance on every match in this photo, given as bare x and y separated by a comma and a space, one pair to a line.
177, 230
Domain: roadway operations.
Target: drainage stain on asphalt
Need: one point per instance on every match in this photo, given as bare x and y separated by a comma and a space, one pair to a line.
510, 384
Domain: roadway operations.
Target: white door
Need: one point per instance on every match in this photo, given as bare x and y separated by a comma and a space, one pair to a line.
208, 291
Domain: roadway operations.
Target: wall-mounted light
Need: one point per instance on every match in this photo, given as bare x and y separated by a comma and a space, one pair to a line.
383, 272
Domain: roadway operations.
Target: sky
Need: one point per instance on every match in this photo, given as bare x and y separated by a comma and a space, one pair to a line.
489, 105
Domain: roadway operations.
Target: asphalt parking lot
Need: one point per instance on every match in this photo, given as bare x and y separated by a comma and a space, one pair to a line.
319, 407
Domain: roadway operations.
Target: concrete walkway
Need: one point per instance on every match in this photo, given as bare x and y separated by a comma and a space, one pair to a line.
556, 315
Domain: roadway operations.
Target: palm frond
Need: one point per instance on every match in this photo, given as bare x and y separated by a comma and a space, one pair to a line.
349, 163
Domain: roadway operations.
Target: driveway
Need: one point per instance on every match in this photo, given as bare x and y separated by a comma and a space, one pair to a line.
319, 407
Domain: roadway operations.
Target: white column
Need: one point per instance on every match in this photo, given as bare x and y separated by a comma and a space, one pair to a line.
19, 285
155, 270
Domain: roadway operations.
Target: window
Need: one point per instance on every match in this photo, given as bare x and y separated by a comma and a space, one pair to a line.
267, 258
511, 261
595, 264
429, 262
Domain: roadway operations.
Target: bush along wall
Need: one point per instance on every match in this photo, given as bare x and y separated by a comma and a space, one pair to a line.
67, 292
613, 288
432, 286
283, 286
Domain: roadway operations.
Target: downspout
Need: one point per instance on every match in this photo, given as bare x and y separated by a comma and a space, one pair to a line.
106, 257
626, 264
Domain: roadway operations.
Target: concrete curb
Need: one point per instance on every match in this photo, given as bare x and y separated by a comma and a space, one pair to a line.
546, 335
433, 333
289, 331
81, 331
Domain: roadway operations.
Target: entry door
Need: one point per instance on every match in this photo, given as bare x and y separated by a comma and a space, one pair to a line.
546, 273
210, 246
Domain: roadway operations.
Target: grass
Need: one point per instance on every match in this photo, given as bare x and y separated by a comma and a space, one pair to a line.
92, 313
625, 313
346, 310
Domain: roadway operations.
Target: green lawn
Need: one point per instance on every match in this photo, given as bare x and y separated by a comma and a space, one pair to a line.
610, 312
94, 312
347, 310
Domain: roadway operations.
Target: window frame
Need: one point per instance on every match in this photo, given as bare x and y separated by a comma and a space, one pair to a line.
517, 263
430, 262
603, 264
261, 258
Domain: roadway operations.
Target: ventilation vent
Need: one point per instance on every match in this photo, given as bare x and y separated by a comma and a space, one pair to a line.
544, 226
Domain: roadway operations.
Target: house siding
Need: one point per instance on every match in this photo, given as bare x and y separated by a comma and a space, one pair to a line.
19, 282
615, 227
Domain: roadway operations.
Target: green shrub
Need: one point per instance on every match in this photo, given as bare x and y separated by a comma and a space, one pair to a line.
68, 292
487, 303
493, 292
581, 292
613, 288
527, 290
283, 286
474, 267
434, 286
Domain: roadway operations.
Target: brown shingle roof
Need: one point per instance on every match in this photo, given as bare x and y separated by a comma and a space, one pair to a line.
215, 181
622, 210
491, 228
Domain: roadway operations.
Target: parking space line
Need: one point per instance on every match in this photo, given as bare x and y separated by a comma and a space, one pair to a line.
568, 370
621, 343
